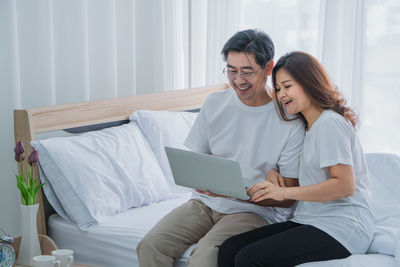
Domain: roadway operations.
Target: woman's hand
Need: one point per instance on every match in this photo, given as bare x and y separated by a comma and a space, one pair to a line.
274, 177
266, 190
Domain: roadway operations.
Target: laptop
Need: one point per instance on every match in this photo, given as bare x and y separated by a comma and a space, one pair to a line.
206, 172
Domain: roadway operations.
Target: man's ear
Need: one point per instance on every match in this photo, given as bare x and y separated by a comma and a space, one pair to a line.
270, 66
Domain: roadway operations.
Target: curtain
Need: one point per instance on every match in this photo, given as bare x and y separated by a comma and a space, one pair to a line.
380, 126
69, 51
342, 47
77, 50
211, 25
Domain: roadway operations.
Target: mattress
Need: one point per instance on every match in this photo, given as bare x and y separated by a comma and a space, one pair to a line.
114, 241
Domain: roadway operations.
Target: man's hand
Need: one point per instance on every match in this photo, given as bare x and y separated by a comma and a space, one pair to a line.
275, 178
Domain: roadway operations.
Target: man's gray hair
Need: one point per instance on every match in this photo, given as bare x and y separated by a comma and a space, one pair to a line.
252, 41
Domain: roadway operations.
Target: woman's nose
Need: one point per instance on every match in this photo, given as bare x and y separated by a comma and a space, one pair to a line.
281, 95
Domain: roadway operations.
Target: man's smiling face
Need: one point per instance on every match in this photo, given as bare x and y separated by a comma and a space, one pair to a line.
247, 78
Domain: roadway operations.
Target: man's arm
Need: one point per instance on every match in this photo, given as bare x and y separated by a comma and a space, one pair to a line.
287, 165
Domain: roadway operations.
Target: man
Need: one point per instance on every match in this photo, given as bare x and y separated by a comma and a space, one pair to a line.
240, 123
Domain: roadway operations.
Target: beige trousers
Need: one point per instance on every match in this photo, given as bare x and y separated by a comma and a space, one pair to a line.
190, 223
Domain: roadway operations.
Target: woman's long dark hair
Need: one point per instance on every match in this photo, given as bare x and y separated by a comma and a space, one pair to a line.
314, 80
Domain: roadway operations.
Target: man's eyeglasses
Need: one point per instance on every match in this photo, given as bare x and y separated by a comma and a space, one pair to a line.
245, 75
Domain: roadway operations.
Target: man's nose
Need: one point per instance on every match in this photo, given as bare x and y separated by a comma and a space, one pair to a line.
238, 79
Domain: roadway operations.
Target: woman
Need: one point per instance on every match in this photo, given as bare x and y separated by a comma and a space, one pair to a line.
333, 218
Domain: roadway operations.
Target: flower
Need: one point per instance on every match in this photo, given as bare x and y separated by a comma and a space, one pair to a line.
19, 151
29, 188
33, 158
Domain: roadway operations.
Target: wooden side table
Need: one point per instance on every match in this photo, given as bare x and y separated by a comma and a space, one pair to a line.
47, 245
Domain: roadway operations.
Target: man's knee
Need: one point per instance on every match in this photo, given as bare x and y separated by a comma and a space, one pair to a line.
203, 257
160, 245
152, 251
148, 244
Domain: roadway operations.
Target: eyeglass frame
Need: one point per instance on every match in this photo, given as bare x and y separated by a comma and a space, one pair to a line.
252, 74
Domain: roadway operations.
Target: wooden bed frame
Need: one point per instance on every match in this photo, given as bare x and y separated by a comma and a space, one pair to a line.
28, 122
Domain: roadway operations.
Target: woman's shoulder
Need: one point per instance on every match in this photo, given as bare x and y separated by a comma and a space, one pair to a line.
332, 117
331, 121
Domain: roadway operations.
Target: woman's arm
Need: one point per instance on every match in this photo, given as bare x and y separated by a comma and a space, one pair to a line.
341, 184
286, 203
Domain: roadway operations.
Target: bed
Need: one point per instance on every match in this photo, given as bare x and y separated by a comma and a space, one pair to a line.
98, 209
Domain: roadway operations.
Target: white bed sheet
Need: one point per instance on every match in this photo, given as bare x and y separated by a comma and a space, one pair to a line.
114, 241
368, 260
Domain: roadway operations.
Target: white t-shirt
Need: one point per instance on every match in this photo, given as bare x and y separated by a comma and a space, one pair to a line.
254, 136
331, 141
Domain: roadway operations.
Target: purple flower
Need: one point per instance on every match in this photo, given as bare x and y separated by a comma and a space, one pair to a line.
20, 158
19, 151
33, 157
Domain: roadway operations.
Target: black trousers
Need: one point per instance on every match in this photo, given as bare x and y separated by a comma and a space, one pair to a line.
280, 244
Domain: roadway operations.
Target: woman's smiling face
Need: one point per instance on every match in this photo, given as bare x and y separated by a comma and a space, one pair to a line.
290, 93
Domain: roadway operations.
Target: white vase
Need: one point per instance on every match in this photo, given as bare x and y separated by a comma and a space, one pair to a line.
30, 246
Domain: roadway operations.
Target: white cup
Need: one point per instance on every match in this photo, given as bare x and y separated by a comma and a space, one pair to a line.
65, 256
45, 261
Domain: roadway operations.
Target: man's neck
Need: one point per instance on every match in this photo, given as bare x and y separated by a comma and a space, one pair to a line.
262, 99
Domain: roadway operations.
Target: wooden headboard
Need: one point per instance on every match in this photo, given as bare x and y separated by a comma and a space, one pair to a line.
28, 122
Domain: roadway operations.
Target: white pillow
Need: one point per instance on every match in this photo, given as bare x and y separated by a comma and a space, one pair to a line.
385, 188
101, 173
45, 160
165, 128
